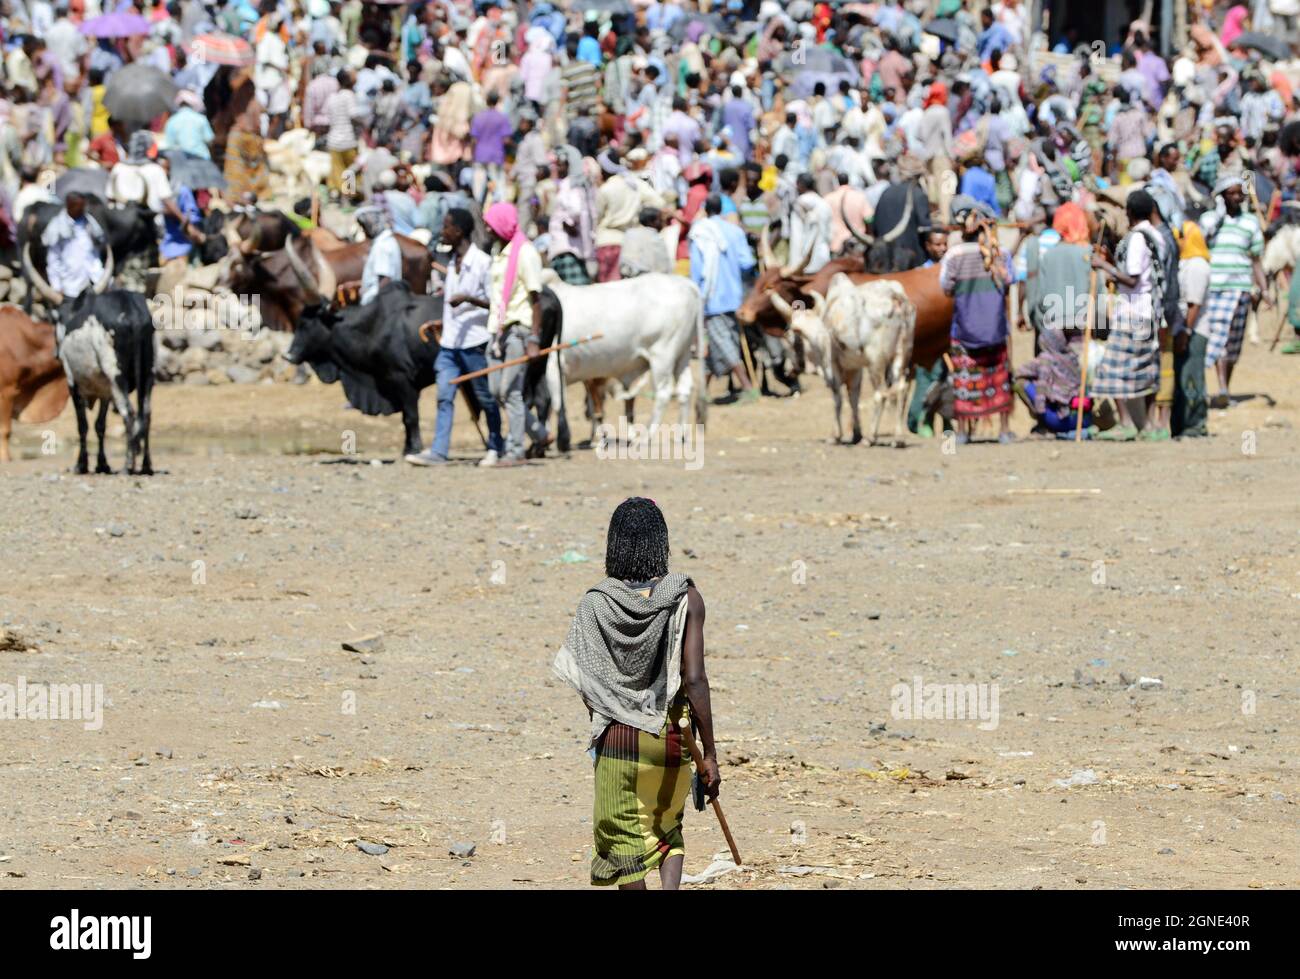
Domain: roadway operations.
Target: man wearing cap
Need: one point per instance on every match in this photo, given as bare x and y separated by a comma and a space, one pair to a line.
1236, 278
572, 219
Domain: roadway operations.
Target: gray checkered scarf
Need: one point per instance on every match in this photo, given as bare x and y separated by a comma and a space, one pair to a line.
623, 653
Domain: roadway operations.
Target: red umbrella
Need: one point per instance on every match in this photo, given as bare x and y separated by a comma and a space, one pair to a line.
220, 49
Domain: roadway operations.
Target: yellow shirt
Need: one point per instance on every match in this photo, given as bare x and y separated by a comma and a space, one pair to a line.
99, 114
528, 278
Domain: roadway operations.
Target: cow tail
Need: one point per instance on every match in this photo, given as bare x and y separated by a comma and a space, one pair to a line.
562, 436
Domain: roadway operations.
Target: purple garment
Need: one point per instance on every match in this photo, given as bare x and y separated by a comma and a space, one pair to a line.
1154, 70
979, 310
738, 117
687, 131
490, 130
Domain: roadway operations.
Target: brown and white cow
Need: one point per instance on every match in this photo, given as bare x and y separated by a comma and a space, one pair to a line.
796, 288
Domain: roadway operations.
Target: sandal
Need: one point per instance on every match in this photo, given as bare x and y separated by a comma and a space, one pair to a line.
1120, 433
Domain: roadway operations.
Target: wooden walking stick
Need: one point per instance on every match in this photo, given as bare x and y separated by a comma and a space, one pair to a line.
684, 726
1277, 304
1087, 342
514, 362
744, 349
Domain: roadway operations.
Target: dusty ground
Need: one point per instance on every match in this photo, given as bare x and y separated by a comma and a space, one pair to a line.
239, 735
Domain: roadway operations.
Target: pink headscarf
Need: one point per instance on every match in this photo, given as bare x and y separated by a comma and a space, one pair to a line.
1232, 25
504, 220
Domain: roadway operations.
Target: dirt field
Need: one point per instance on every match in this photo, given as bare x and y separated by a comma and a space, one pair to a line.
243, 746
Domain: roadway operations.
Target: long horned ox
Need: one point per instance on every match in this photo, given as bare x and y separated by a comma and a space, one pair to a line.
870, 326
106, 345
797, 289
286, 282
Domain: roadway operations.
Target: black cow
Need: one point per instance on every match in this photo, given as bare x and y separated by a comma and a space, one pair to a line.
106, 345
375, 350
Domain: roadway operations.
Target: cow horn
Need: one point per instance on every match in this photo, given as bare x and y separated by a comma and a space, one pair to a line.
819, 305
783, 307
793, 269
328, 280
865, 239
107, 277
765, 254
300, 270
48, 292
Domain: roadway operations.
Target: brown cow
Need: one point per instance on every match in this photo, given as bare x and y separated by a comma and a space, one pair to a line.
933, 308
33, 386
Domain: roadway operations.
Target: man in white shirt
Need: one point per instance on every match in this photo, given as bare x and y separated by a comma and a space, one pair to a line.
34, 190
138, 178
72, 241
271, 78
65, 41
384, 263
463, 340
810, 225
618, 208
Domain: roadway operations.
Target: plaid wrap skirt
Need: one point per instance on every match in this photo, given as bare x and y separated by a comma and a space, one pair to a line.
571, 269
724, 343
1223, 324
1130, 367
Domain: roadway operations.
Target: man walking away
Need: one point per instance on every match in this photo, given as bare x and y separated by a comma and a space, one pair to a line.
720, 256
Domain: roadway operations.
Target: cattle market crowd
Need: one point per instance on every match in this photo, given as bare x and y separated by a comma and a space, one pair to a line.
423, 191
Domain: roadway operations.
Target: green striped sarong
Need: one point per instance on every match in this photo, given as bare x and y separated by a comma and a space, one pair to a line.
642, 781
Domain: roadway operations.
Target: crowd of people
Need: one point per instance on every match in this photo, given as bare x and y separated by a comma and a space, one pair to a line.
606, 139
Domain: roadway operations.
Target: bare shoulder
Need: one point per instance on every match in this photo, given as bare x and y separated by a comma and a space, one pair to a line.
694, 601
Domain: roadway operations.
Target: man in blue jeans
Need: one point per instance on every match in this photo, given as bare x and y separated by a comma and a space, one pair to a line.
464, 338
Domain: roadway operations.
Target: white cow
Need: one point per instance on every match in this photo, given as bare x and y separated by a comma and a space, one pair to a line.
648, 326
870, 326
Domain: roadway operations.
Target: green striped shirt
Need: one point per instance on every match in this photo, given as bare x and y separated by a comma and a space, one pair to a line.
1237, 241
754, 215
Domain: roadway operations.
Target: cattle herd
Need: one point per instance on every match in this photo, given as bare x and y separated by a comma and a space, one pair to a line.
616, 338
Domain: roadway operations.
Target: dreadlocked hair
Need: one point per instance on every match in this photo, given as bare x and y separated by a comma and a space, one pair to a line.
636, 548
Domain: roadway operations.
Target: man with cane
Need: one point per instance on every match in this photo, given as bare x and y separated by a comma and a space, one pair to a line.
635, 654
